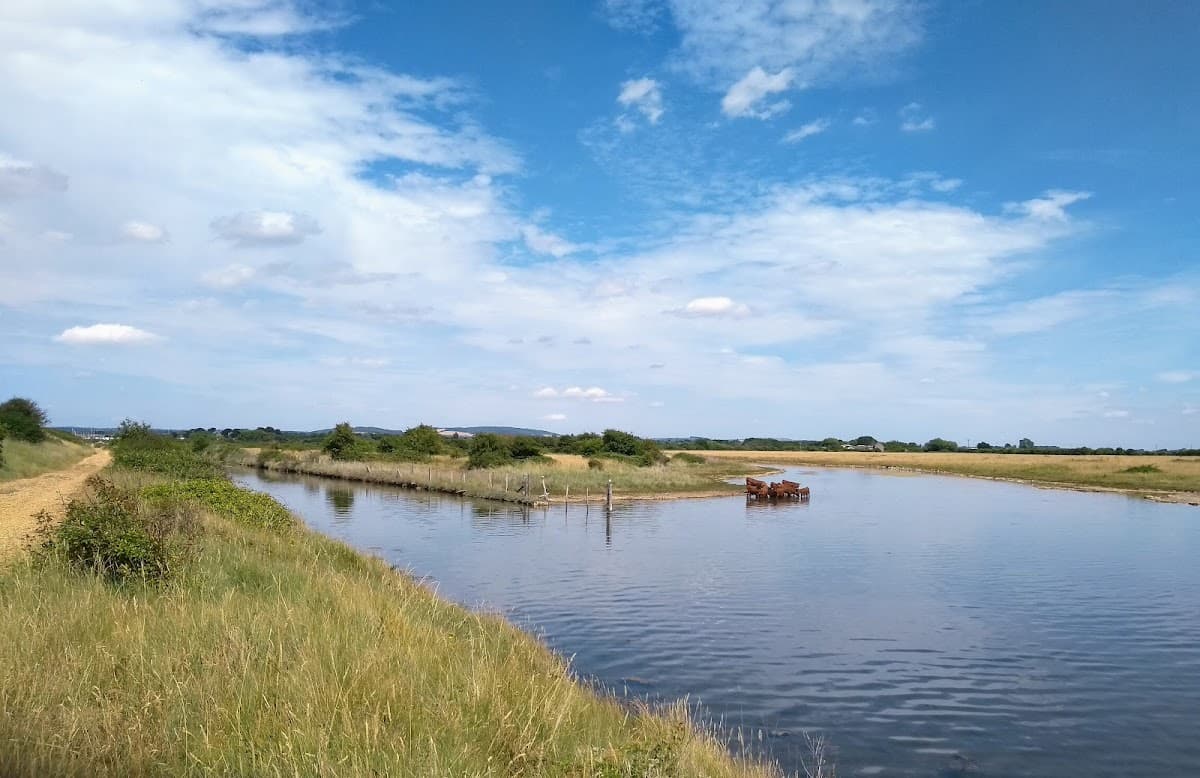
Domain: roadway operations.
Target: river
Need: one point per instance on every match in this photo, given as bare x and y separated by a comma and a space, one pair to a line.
930, 626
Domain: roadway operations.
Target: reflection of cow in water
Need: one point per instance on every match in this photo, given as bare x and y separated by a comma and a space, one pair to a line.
787, 490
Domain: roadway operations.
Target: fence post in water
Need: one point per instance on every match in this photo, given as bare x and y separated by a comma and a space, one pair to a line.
506, 483
608, 496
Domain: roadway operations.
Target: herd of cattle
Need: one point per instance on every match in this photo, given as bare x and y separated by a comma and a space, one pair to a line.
787, 490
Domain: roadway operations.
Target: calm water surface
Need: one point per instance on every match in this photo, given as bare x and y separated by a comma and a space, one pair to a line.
930, 626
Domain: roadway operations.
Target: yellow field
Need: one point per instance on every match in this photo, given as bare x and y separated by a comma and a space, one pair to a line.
1176, 479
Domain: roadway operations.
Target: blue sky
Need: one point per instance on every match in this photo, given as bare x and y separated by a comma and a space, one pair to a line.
840, 217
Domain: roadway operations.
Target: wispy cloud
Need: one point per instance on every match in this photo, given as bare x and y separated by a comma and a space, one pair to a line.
26, 179
265, 228
815, 127
746, 96
645, 95
1050, 207
1178, 376
817, 41
914, 118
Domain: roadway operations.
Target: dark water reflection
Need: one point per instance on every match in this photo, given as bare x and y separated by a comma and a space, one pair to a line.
931, 626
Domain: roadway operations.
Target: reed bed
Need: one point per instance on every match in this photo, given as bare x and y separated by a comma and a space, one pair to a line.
1137, 474
562, 477
286, 653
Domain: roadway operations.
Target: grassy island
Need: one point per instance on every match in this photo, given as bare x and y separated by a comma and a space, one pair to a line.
174, 624
1165, 478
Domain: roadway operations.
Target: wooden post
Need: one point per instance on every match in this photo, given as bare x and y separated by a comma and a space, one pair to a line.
429, 477
489, 479
608, 496
506, 483
566, 498
587, 494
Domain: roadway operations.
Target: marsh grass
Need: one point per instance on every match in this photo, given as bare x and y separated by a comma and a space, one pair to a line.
1130, 473
286, 653
563, 473
25, 460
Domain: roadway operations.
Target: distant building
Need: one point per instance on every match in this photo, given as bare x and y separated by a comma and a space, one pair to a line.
455, 434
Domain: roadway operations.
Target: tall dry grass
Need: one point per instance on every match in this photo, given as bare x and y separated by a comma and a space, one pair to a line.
1129, 473
564, 475
289, 654
24, 460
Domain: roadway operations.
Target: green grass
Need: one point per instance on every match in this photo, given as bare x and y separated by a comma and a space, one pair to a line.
24, 460
275, 651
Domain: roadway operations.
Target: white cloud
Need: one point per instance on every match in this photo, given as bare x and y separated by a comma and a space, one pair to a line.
715, 306
746, 95
229, 277
25, 179
1178, 376
105, 334
913, 118
644, 94
541, 242
815, 127
1116, 414
819, 41
1051, 206
591, 394
865, 118
1190, 410
555, 417
265, 228
143, 232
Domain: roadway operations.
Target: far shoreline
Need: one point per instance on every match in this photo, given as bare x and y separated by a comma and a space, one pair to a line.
903, 463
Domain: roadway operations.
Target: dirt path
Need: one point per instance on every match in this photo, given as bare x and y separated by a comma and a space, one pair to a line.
24, 498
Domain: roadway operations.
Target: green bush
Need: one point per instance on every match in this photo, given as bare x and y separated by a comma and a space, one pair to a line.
688, 459
1142, 469
488, 450
115, 535
23, 419
225, 499
595, 464
343, 443
138, 448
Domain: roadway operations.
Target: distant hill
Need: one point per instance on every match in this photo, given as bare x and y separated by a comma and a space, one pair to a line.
532, 433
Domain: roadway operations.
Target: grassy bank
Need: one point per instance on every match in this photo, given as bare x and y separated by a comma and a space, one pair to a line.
566, 475
1161, 477
25, 460
261, 648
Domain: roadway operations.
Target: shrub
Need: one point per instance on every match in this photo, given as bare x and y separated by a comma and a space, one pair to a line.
23, 419
488, 450
138, 448
117, 536
941, 444
688, 459
343, 443
1142, 469
225, 499
525, 448
595, 464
